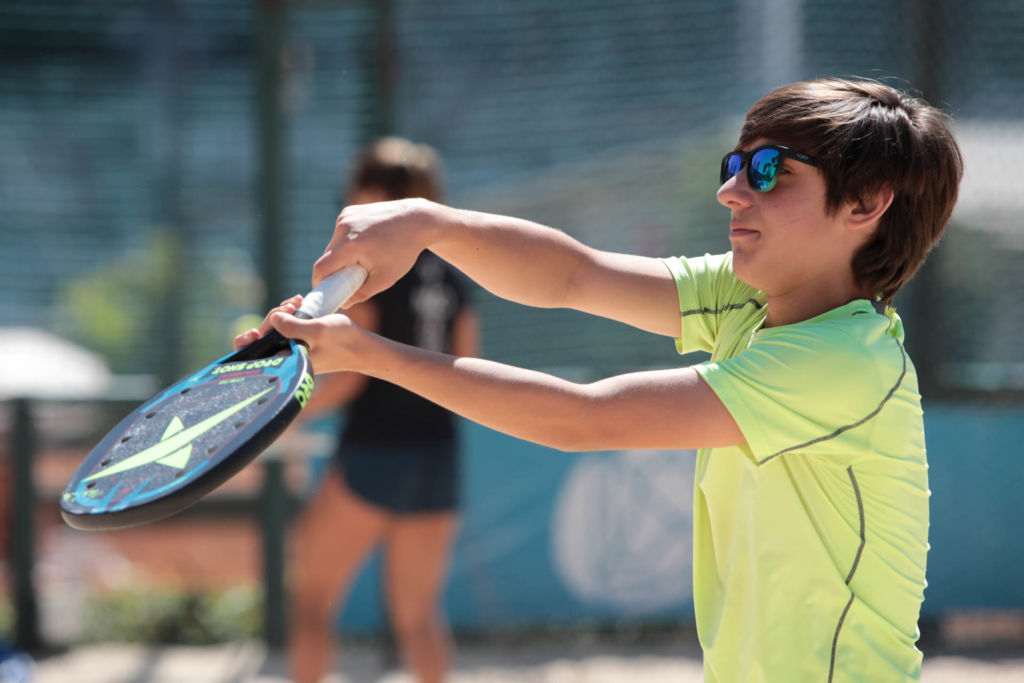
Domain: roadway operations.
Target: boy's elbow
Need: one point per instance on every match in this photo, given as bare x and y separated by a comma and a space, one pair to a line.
582, 420
579, 431
560, 436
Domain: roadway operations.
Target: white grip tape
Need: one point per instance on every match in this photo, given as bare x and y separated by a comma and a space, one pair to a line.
333, 291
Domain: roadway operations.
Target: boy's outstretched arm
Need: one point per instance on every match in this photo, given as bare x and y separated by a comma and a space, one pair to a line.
657, 409
515, 259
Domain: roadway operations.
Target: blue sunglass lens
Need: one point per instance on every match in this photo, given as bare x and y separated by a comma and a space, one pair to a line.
731, 165
762, 172
764, 169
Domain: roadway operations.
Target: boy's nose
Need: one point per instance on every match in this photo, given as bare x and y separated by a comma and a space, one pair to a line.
735, 191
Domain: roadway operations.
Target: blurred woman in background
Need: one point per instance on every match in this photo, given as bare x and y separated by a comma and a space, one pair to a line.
393, 482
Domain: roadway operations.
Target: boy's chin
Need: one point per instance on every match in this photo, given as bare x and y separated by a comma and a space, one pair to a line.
746, 271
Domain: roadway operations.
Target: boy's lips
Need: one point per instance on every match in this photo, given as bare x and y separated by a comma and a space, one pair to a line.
740, 230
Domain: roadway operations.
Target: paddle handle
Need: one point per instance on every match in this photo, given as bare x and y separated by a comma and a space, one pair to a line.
332, 292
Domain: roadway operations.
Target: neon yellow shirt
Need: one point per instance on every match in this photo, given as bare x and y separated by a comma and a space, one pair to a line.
810, 540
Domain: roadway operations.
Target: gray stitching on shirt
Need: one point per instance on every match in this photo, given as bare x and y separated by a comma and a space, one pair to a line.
858, 423
835, 639
853, 569
717, 311
860, 511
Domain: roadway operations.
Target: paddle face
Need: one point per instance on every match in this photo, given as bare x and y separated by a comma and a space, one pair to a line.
190, 438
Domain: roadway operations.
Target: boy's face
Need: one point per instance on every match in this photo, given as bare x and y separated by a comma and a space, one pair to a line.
784, 239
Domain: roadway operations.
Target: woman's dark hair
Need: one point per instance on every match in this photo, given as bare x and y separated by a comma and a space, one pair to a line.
398, 167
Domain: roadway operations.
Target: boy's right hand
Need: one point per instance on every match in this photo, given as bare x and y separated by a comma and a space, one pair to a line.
385, 238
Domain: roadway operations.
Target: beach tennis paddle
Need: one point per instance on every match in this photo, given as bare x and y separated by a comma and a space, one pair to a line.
194, 435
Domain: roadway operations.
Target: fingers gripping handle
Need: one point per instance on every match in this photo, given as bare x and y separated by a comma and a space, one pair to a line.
332, 292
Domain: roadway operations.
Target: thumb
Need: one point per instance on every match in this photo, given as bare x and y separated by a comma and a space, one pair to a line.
290, 326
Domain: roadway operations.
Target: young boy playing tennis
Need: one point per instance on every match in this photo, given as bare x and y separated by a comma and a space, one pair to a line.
811, 492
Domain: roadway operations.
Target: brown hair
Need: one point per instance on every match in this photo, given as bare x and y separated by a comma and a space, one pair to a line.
868, 136
398, 167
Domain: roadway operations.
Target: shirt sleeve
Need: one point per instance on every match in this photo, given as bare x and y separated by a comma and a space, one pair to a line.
707, 288
805, 390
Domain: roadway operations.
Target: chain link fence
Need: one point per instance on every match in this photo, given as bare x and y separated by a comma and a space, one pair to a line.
128, 127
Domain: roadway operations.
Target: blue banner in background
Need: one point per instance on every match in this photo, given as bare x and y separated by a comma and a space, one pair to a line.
550, 538
976, 469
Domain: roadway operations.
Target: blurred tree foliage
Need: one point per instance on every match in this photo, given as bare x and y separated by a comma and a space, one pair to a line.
174, 617
121, 307
111, 308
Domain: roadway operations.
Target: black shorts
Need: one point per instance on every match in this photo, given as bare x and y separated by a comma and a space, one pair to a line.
403, 479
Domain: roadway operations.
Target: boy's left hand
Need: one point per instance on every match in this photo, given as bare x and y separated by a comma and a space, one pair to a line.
288, 306
335, 342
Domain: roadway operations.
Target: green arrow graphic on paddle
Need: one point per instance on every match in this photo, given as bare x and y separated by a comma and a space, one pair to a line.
179, 440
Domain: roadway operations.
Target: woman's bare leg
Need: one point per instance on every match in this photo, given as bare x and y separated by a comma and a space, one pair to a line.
418, 548
332, 540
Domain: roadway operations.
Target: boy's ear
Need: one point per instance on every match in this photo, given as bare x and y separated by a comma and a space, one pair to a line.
868, 211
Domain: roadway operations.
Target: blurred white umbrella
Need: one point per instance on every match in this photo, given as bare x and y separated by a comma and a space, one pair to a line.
39, 364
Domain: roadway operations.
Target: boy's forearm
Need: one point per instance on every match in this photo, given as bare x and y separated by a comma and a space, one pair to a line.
513, 258
671, 408
543, 267
523, 403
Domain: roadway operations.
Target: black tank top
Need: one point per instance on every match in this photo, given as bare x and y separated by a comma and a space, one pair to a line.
420, 310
